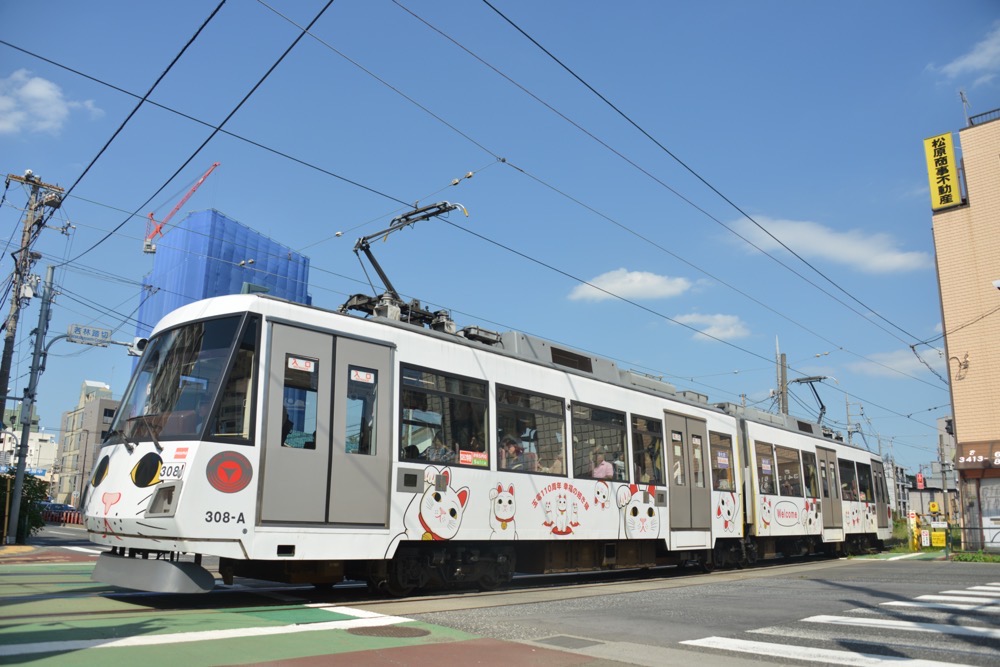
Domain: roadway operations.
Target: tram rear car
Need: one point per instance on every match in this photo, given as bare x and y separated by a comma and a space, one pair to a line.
303, 445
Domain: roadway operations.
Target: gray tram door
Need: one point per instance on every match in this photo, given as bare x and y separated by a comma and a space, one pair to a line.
833, 516
881, 494
687, 455
327, 430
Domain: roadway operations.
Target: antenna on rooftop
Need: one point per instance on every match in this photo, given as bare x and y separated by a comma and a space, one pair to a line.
965, 105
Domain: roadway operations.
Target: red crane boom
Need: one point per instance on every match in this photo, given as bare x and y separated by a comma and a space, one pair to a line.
154, 228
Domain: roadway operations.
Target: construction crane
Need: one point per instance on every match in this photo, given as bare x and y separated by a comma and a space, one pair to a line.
154, 228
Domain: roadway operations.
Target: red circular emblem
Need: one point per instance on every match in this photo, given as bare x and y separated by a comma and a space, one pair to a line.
229, 472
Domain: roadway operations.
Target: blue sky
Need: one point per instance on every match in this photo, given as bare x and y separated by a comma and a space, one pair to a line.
807, 117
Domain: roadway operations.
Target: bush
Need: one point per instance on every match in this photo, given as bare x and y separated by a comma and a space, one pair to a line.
975, 557
33, 492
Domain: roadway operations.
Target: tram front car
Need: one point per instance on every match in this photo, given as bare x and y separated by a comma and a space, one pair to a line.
174, 474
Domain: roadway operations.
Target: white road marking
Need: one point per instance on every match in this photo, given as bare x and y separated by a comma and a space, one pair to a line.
809, 653
961, 599
889, 624
950, 607
95, 552
363, 620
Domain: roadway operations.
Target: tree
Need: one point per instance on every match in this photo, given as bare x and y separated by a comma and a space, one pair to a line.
33, 492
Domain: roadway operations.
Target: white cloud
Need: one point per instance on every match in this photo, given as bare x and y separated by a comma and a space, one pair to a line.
630, 285
723, 327
886, 364
983, 58
870, 253
33, 104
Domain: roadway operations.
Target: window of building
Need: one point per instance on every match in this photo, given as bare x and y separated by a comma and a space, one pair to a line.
765, 467
721, 450
598, 441
443, 418
531, 432
789, 472
809, 475
647, 446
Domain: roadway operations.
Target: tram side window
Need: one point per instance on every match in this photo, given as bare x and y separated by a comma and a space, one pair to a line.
531, 432
789, 472
443, 418
697, 465
809, 479
362, 392
867, 492
721, 451
677, 447
647, 446
598, 441
848, 480
298, 428
233, 417
765, 467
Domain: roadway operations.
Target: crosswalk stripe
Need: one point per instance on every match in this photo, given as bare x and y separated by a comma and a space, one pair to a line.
985, 594
940, 605
809, 653
961, 599
889, 624
94, 552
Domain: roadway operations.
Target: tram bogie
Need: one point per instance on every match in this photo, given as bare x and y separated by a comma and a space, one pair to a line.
302, 445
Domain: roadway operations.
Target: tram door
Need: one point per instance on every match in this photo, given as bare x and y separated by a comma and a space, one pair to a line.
881, 494
326, 452
362, 434
833, 515
687, 455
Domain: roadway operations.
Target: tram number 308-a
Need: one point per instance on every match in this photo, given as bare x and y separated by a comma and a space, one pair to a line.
223, 517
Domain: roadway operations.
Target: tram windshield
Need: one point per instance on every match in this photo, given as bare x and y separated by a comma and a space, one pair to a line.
178, 378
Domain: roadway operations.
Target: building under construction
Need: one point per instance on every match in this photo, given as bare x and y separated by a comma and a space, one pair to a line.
208, 254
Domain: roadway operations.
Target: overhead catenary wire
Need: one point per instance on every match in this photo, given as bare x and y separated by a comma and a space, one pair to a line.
700, 177
500, 160
523, 171
215, 131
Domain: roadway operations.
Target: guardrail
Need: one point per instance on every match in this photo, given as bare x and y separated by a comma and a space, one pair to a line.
63, 517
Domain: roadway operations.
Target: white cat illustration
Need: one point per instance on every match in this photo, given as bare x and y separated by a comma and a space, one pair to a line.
766, 516
433, 515
726, 511
640, 517
502, 513
562, 519
602, 495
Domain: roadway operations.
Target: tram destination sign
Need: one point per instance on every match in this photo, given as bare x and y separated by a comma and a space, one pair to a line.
88, 335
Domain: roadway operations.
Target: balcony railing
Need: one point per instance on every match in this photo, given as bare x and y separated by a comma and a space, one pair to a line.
979, 119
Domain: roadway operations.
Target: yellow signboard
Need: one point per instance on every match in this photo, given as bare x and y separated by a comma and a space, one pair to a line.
942, 172
938, 538
934, 507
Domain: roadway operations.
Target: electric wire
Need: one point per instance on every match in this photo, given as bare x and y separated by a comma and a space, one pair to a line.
698, 176
523, 171
214, 131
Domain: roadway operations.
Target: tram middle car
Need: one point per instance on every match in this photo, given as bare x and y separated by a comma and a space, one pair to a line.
303, 445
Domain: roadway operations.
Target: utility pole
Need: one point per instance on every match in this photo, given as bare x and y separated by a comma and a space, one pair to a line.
37, 365
24, 258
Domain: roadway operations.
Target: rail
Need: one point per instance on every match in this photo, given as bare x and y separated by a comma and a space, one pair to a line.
986, 117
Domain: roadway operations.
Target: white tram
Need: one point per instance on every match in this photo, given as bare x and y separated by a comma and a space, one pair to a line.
304, 445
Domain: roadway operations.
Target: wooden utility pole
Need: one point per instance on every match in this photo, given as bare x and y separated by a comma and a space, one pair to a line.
24, 259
